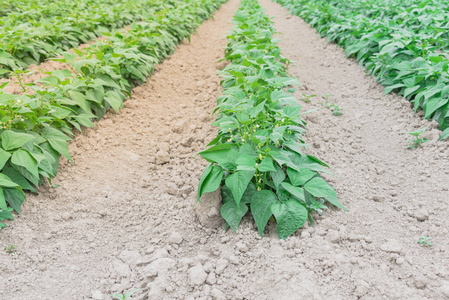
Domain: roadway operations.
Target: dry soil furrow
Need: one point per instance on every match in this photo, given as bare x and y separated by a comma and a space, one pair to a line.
394, 195
131, 186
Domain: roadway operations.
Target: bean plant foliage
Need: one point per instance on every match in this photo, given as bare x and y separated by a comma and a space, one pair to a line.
403, 44
36, 125
258, 156
32, 31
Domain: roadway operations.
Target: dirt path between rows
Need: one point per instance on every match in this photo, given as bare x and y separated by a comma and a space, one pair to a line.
394, 195
122, 217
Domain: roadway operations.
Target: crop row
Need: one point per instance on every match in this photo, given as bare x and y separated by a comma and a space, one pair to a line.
257, 158
31, 36
35, 126
15, 11
403, 44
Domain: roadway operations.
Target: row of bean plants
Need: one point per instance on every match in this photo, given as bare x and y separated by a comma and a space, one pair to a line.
40, 31
403, 44
258, 157
36, 125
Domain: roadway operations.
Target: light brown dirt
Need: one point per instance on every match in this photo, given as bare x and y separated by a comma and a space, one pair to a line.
123, 218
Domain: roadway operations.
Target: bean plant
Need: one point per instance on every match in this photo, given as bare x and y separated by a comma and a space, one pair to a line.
257, 157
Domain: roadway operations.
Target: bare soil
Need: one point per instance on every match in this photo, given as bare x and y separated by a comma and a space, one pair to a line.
123, 217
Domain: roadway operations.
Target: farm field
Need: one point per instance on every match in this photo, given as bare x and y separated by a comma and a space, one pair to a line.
124, 216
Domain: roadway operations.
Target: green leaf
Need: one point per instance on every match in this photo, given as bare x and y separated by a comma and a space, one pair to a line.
261, 208
238, 182
24, 159
5, 181
266, 165
12, 140
278, 176
290, 216
216, 153
4, 214
210, 180
300, 178
50, 133
114, 100
388, 89
223, 154
2, 200
62, 147
319, 188
18, 178
81, 100
433, 104
294, 191
14, 198
233, 213
245, 162
444, 135
4, 157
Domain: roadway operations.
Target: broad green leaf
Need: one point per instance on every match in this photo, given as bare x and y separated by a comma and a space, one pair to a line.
300, 178
266, 165
13, 140
24, 159
261, 208
18, 178
247, 149
114, 100
14, 198
294, 191
5, 181
217, 153
433, 104
81, 100
278, 176
2, 200
238, 182
388, 89
248, 195
319, 188
245, 162
444, 135
62, 147
233, 213
290, 216
50, 133
210, 180
4, 157
5, 214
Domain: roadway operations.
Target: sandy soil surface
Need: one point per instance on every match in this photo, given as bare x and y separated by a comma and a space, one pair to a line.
123, 215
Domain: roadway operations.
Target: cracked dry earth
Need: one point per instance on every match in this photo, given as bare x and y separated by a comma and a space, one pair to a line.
123, 216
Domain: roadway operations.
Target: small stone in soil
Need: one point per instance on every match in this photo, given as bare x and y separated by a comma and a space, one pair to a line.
162, 157
97, 295
175, 238
222, 264
197, 275
391, 246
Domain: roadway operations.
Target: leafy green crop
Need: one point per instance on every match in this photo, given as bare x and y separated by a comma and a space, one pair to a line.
258, 156
36, 125
36, 30
403, 44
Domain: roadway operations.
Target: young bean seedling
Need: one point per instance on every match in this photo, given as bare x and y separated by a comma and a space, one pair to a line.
425, 241
125, 296
11, 249
415, 143
307, 98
